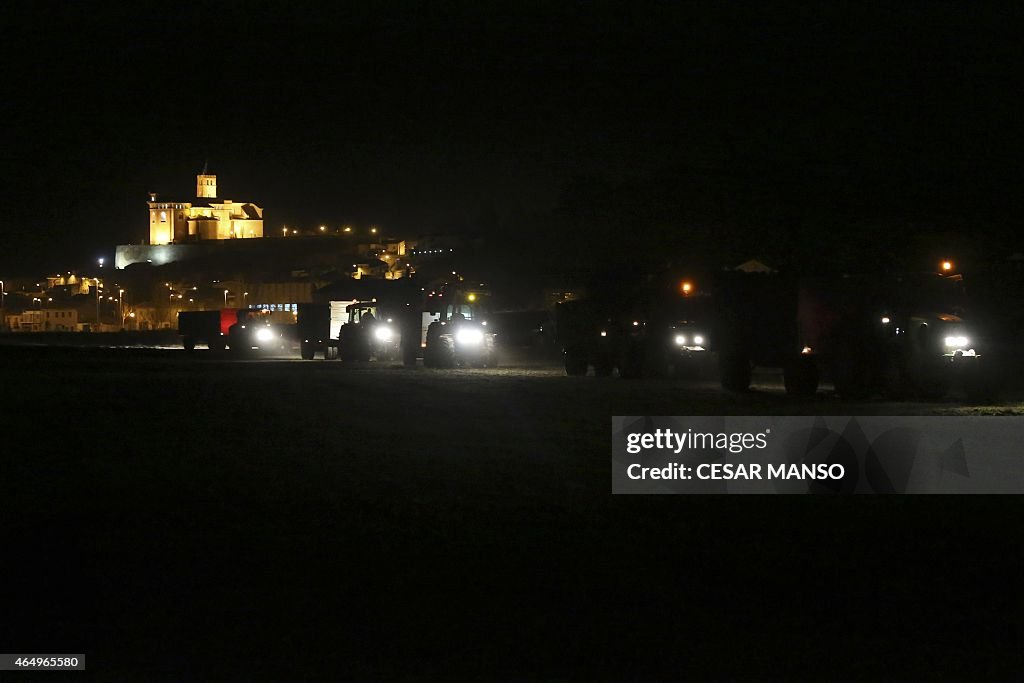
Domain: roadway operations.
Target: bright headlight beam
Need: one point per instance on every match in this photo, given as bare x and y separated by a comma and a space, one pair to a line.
680, 339
382, 333
264, 334
957, 342
469, 335
698, 340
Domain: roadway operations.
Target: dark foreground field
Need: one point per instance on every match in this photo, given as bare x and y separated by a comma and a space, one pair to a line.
205, 519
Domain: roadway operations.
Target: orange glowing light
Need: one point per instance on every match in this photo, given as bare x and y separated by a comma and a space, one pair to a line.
947, 266
687, 288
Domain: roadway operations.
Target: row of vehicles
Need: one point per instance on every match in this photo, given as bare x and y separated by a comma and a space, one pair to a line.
444, 324
892, 335
238, 329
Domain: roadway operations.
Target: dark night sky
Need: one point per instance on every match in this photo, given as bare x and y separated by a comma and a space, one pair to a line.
416, 116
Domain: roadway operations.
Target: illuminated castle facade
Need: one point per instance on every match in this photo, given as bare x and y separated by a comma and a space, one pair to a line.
205, 218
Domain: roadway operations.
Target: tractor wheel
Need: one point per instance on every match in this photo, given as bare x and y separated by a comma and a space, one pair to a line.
849, 374
603, 367
931, 379
307, 351
981, 384
575, 363
439, 355
801, 377
894, 381
734, 371
189, 343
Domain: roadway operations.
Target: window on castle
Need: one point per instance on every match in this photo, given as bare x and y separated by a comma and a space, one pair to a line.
163, 216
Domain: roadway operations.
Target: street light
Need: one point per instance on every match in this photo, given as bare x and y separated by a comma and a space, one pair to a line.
3, 296
101, 262
120, 306
245, 299
225, 298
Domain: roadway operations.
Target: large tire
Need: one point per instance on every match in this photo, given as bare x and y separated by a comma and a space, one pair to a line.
430, 356
892, 378
734, 371
932, 379
575, 364
438, 354
189, 343
603, 367
353, 345
448, 359
307, 351
849, 374
981, 383
353, 353
801, 377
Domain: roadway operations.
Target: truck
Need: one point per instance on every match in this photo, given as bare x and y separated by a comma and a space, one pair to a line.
653, 329
889, 334
443, 322
206, 327
238, 329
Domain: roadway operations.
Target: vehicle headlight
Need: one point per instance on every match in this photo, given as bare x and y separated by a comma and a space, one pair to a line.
264, 334
957, 342
469, 335
680, 339
698, 340
382, 333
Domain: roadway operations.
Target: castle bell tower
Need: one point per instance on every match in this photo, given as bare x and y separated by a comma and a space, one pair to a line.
206, 185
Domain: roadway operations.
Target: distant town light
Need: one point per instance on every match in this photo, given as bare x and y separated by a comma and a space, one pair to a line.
947, 266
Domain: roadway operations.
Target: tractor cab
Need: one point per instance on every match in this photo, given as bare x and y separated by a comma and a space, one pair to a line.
367, 334
455, 331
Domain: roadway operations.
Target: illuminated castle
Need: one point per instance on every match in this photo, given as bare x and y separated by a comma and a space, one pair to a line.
204, 218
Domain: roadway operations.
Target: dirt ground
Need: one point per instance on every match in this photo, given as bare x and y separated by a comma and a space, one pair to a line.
200, 518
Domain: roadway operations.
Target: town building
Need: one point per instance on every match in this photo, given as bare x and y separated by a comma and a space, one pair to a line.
203, 218
180, 230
